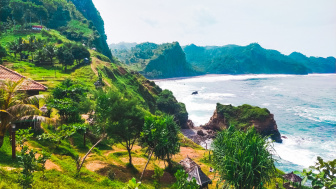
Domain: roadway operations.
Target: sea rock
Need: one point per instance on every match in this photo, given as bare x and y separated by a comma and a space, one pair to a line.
190, 124
200, 132
266, 127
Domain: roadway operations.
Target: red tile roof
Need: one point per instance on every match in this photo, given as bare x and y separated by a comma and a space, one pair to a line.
27, 85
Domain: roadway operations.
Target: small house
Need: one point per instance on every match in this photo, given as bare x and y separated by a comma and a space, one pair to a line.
29, 86
194, 171
37, 28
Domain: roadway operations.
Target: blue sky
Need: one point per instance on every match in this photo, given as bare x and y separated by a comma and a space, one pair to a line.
306, 26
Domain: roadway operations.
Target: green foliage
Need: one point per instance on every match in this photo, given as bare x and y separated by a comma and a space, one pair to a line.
156, 61
323, 176
63, 132
119, 118
69, 98
3, 53
19, 16
30, 164
182, 182
158, 173
168, 104
160, 135
22, 135
234, 59
315, 64
65, 56
242, 115
242, 159
132, 184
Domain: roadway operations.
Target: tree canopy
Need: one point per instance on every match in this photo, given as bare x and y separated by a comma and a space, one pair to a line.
121, 118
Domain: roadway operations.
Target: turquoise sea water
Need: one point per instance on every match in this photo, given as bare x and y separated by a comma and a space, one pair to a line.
304, 108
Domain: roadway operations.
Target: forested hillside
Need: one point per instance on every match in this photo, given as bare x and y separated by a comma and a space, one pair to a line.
253, 59
89, 100
156, 61
20, 15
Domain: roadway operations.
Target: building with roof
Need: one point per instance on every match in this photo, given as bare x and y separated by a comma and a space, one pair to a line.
37, 28
31, 87
194, 171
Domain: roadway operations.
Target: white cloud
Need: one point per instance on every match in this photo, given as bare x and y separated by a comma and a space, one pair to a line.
307, 26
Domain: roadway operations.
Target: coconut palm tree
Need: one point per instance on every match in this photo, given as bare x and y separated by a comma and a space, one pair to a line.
15, 106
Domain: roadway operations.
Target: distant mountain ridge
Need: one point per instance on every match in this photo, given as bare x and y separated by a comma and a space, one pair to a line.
253, 59
160, 61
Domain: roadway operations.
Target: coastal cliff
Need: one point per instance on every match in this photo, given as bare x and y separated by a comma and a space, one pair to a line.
243, 117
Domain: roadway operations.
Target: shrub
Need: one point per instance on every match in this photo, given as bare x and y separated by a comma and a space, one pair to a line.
242, 158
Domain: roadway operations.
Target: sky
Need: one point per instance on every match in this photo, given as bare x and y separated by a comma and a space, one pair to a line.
306, 26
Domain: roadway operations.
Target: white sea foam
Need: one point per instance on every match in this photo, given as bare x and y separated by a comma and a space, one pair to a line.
221, 77
304, 151
315, 114
292, 151
216, 96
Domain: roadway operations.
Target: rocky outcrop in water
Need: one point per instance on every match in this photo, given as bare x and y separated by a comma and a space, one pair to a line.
244, 117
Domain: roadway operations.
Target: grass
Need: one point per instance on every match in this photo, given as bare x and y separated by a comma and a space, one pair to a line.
79, 27
6, 154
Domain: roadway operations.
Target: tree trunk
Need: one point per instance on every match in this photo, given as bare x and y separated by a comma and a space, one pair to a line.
129, 155
170, 165
79, 166
146, 164
2, 136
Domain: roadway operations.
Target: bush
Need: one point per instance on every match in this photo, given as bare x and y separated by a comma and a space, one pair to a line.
182, 182
242, 158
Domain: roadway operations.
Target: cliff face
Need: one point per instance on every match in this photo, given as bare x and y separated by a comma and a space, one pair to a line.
89, 11
171, 62
226, 115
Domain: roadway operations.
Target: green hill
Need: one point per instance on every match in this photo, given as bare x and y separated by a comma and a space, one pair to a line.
61, 15
156, 61
51, 56
253, 59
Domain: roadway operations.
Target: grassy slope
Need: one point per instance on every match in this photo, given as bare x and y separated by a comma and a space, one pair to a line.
61, 171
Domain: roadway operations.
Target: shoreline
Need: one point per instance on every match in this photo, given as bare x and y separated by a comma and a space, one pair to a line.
216, 75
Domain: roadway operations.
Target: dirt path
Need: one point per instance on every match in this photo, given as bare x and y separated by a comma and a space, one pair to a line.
96, 61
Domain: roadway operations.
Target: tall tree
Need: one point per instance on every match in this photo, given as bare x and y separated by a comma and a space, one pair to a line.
65, 57
3, 53
120, 117
31, 46
80, 52
70, 99
50, 51
242, 159
160, 136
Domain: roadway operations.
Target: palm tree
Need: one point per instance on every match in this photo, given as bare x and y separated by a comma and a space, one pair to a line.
15, 106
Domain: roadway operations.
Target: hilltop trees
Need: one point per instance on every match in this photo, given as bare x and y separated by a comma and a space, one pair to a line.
65, 56
3, 53
169, 105
160, 136
120, 118
242, 158
70, 99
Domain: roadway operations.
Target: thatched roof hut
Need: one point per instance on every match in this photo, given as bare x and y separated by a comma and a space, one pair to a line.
194, 171
292, 177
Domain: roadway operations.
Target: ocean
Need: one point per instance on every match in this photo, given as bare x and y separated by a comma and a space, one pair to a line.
304, 108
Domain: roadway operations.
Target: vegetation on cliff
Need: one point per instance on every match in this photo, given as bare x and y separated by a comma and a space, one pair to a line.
156, 61
242, 116
19, 16
253, 59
